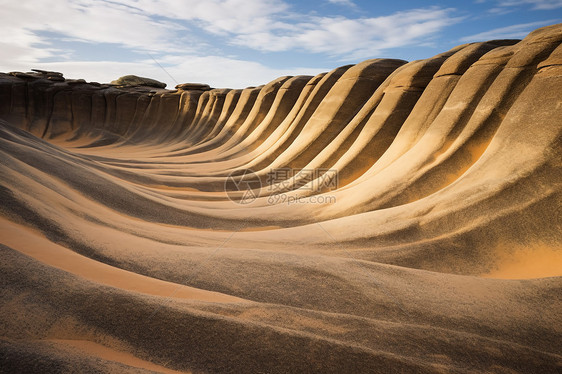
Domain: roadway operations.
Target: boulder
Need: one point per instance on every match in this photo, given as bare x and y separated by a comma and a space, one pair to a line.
193, 87
133, 80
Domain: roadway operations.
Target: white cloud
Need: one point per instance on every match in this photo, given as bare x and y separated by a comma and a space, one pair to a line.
354, 38
227, 72
537, 4
177, 28
217, 16
218, 71
349, 3
509, 6
510, 32
91, 21
269, 25
265, 25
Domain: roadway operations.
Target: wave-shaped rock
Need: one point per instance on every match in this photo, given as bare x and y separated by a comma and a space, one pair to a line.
356, 221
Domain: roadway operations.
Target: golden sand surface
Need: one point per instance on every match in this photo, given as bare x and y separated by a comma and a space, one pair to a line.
383, 217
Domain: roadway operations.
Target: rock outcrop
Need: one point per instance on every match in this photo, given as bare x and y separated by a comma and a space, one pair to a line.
364, 220
193, 87
133, 80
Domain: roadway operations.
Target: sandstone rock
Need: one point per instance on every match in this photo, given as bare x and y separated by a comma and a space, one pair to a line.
47, 72
56, 78
133, 80
76, 81
448, 174
40, 71
23, 75
193, 87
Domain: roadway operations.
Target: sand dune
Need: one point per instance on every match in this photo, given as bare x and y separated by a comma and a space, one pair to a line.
383, 217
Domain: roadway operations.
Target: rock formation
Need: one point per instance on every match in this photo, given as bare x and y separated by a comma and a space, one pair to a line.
133, 80
193, 87
388, 216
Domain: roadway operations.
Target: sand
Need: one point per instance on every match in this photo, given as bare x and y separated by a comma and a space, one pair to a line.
133, 238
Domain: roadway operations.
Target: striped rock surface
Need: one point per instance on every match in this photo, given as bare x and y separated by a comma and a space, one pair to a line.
388, 216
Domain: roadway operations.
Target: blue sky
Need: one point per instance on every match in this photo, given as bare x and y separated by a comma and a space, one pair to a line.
238, 43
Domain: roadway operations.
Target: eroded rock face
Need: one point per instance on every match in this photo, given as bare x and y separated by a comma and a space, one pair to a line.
125, 221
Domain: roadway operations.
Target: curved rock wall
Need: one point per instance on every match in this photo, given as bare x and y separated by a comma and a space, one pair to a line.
448, 175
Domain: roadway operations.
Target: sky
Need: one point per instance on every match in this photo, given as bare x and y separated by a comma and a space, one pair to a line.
240, 43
